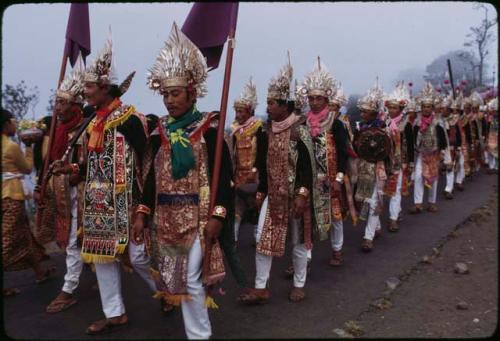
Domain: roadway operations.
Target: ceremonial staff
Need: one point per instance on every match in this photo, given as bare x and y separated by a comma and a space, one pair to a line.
77, 41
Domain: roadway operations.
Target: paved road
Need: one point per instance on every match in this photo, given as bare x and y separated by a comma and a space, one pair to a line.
333, 295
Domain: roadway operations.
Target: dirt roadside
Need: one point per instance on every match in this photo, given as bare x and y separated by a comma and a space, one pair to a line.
431, 299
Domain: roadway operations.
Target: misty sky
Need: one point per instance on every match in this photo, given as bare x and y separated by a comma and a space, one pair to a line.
356, 41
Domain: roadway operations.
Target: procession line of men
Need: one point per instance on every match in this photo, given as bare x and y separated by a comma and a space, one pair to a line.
137, 188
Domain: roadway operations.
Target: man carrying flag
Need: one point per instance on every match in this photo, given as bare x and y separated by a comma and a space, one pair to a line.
178, 165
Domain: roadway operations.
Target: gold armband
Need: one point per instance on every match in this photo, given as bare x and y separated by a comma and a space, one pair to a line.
219, 211
143, 209
303, 191
75, 168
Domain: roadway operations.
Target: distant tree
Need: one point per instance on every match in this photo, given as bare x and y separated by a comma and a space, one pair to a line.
18, 99
52, 99
462, 67
479, 39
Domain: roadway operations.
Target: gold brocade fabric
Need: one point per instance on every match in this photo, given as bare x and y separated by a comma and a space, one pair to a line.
181, 214
246, 152
399, 159
272, 241
45, 233
63, 202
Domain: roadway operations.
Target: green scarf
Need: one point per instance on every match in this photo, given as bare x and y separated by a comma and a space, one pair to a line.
182, 151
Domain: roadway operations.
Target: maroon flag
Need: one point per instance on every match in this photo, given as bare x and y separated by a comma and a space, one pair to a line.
207, 26
77, 32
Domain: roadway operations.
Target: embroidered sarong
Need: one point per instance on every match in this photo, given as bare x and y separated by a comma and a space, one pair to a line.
273, 237
181, 214
19, 249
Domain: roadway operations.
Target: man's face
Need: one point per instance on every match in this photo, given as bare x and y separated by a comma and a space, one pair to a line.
317, 103
62, 109
95, 95
367, 115
446, 112
475, 109
394, 110
427, 109
242, 113
275, 111
467, 108
412, 115
177, 100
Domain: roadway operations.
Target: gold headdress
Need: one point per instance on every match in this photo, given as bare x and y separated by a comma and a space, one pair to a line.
279, 86
427, 94
179, 63
400, 96
339, 97
318, 82
71, 88
372, 100
476, 99
248, 97
493, 104
101, 70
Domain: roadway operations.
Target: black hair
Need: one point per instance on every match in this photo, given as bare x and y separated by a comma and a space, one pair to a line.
290, 104
6, 116
114, 91
37, 146
152, 121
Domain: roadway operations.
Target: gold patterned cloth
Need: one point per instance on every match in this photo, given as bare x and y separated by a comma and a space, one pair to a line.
181, 214
246, 152
282, 157
45, 232
19, 249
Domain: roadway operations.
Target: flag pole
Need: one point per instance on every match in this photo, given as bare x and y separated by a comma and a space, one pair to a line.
451, 78
218, 149
53, 122
222, 119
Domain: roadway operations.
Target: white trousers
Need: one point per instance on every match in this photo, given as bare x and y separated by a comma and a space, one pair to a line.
337, 235
450, 178
194, 312
237, 224
418, 190
108, 278
492, 161
300, 253
459, 178
395, 201
74, 263
373, 223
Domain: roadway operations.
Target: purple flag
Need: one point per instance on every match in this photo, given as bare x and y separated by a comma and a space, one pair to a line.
207, 26
77, 32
